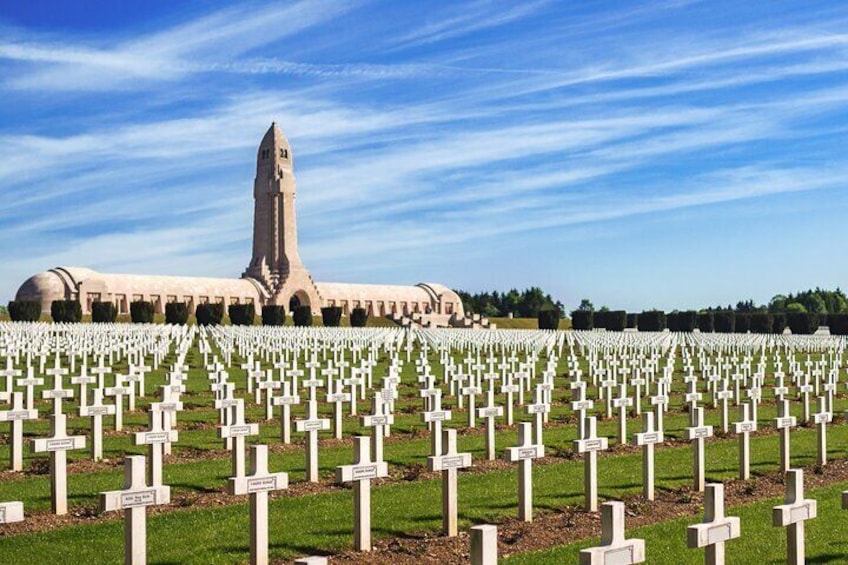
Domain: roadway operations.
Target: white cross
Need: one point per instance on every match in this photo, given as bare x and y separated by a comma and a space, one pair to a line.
448, 463
784, 422
435, 417
716, 528
793, 514
154, 439
379, 419
745, 427
15, 417
524, 454
589, 446
696, 434
311, 425
237, 430
133, 500
258, 484
647, 438
614, 548
96, 410
285, 401
363, 470
57, 445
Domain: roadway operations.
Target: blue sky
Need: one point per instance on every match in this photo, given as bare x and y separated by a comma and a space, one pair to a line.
666, 154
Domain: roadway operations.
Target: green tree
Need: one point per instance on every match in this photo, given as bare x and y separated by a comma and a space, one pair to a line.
586, 305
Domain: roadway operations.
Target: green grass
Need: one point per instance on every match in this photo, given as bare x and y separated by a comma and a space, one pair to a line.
760, 542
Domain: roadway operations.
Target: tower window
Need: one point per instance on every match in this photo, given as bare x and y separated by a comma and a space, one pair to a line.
284, 153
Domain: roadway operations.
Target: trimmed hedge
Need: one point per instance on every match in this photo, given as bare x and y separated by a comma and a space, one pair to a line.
302, 316
24, 310
778, 322
652, 321
706, 322
838, 324
672, 321
176, 313
241, 314
802, 323
743, 322
273, 315
358, 318
66, 311
724, 321
104, 312
687, 321
548, 319
141, 312
331, 316
612, 320
761, 323
209, 314
633, 320
583, 320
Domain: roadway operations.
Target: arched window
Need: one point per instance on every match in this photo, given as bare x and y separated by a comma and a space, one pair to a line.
284, 153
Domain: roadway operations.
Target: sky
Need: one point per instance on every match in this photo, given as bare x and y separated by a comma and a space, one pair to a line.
671, 154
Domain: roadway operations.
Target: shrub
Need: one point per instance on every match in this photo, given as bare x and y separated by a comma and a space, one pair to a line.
241, 314
652, 321
549, 319
273, 315
724, 321
778, 322
24, 310
141, 312
302, 316
838, 324
743, 322
614, 320
672, 321
761, 323
583, 320
209, 314
706, 322
802, 322
176, 313
66, 311
103, 312
633, 320
687, 321
358, 318
332, 316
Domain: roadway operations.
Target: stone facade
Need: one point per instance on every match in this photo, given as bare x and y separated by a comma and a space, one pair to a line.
275, 274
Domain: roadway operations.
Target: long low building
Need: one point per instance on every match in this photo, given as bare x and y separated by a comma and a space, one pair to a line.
275, 274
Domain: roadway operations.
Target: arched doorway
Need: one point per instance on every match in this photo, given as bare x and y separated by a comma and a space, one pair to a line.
299, 298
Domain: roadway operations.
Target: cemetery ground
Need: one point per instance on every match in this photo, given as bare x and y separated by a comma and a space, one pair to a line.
204, 524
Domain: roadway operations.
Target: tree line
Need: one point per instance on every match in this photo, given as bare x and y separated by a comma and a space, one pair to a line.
494, 304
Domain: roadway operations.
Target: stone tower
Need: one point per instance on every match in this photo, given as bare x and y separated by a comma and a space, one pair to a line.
276, 262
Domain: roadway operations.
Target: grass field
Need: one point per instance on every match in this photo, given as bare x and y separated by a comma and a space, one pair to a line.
197, 531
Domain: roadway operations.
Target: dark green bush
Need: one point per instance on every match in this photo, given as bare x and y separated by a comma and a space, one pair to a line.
652, 321
724, 321
706, 322
141, 312
672, 321
549, 319
209, 314
633, 320
66, 311
583, 320
802, 323
687, 321
612, 320
273, 315
761, 323
24, 310
778, 322
104, 312
302, 316
743, 322
176, 313
358, 318
241, 314
332, 316
838, 324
